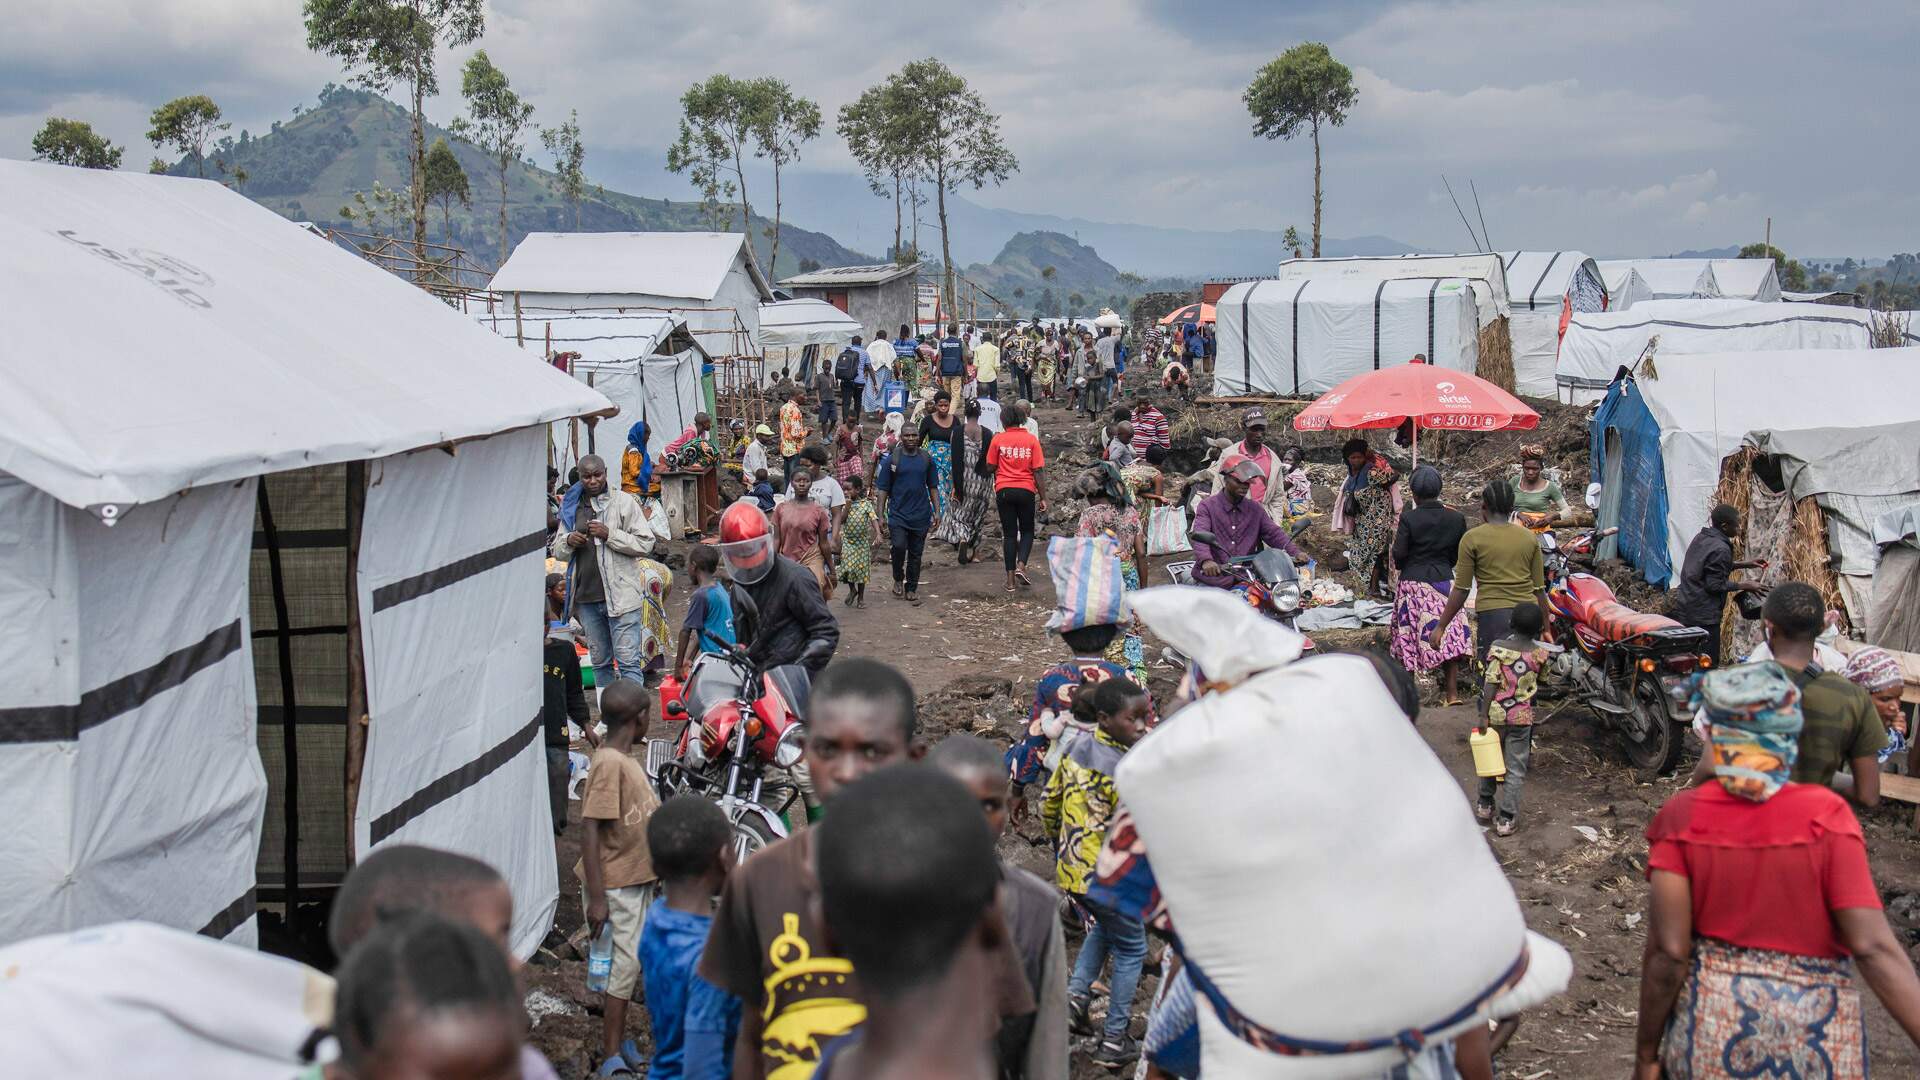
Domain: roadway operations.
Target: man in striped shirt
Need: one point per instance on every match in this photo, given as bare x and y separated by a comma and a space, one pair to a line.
1149, 425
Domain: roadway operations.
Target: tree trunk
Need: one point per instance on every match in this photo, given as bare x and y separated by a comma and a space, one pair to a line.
505, 161
773, 260
896, 216
1316, 187
746, 207
946, 250
416, 167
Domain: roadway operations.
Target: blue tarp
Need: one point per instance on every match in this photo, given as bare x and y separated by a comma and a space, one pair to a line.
1642, 517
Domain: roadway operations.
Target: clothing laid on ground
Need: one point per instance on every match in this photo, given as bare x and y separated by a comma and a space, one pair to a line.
1840, 726
1503, 559
694, 1022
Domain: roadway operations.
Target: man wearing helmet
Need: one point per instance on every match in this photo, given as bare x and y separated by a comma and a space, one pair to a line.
794, 624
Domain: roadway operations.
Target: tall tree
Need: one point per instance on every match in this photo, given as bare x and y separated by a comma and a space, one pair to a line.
717, 133
784, 122
186, 123
446, 183
74, 142
953, 137
1793, 276
1301, 90
391, 42
869, 125
496, 121
569, 161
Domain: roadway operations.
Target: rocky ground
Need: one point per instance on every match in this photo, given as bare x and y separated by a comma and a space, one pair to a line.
1577, 864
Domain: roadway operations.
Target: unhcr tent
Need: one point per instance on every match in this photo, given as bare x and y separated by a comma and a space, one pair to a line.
1625, 286
1747, 279
273, 530
1596, 347
1485, 272
1308, 336
793, 331
1658, 444
1670, 279
1542, 285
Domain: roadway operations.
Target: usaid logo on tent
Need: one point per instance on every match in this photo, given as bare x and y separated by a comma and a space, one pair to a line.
173, 275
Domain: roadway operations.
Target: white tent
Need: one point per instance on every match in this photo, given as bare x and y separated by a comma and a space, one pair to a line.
794, 324
711, 279
269, 450
1485, 272
646, 363
1542, 284
1625, 286
1308, 335
1596, 347
1747, 279
1669, 279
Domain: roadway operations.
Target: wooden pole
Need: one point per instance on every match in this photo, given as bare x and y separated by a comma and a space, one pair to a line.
519, 337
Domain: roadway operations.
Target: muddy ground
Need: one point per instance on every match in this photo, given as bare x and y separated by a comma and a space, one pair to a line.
1577, 864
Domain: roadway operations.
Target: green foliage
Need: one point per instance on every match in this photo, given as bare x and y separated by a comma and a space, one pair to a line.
1291, 240
382, 210
783, 122
158, 167
1793, 276
446, 182
720, 121
186, 123
569, 160
74, 142
873, 127
808, 266
496, 121
1300, 90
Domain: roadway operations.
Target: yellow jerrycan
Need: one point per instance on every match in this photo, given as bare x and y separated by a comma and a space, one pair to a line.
1488, 761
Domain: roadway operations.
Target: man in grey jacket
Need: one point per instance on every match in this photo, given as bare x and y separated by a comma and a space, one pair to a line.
605, 538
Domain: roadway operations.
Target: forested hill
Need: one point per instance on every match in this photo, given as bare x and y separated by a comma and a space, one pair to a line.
1050, 273
309, 167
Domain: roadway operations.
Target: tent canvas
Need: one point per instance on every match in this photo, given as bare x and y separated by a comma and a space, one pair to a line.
1625, 286
1674, 431
1308, 335
1597, 346
1485, 272
1542, 284
137, 478
794, 324
1747, 279
1670, 279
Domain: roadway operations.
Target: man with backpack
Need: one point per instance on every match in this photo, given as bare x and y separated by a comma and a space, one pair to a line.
850, 368
953, 362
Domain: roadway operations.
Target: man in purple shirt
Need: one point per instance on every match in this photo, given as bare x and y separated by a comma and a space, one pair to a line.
1240, 526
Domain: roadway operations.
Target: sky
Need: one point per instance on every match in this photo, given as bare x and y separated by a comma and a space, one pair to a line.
1635, 127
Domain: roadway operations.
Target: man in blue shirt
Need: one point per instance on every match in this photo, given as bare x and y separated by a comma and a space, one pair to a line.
953, 361
906, 477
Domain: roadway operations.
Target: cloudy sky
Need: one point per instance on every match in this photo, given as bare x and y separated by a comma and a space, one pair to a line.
1632, 127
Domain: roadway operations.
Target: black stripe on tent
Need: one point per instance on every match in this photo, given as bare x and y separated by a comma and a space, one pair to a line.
1433, 297
319, 715
304, 538
1543, 278
64, 723
1507, 264
1296, 336
1722, 326
453, 783
1377, 293
1246, 338
230, 917
459, 570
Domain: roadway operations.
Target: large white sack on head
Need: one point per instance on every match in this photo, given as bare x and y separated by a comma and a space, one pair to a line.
1325, 908
1216, 629
137, 999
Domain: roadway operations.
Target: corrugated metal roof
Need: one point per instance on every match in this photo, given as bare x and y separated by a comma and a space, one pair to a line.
851, 275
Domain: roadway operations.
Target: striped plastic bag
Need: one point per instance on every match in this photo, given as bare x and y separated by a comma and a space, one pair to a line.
1086, 581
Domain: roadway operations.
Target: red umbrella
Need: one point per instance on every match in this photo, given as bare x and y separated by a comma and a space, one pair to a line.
1432, 397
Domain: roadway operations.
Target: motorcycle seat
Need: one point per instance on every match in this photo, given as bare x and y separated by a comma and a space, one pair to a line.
1592, 603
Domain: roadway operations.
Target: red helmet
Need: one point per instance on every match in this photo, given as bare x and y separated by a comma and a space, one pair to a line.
746, 542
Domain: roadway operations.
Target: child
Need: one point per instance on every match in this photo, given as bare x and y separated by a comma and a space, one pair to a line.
615, 868
563, 703
762, 490
1052, 715
1506, 700
425, 996
710, 610
694, 1022
1081, 798
1036, 1049
859, 531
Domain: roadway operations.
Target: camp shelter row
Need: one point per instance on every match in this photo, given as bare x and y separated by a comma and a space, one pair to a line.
270, 579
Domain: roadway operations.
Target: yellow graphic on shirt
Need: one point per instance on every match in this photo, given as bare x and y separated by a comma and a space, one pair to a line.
809, 1004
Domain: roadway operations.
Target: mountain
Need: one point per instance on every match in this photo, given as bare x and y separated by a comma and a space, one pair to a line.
308, 168
1731, 252
1047, 271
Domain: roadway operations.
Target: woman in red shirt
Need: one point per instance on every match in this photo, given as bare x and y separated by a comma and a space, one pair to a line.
802, 529
1019, 492
1761, 895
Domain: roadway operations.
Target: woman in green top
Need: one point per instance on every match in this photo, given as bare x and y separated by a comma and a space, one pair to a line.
1501, 562
1535, 494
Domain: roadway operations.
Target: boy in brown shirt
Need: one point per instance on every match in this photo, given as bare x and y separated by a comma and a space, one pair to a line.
615, 869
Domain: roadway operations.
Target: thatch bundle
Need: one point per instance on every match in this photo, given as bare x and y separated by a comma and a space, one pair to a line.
1496, 354
1791, 537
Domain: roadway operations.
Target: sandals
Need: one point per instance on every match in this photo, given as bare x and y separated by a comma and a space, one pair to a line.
1505, 826
1020, 576
1483, 812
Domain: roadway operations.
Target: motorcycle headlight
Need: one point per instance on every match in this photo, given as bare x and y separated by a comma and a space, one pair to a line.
1286, 596
788, 751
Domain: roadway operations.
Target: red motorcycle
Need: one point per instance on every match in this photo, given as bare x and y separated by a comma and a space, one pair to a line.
1629, 667
743, 729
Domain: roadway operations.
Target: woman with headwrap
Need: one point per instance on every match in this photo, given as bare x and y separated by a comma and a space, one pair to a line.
1366, 509
1762, 903
636, 467
972, 485
1877, 671
847, 459
1110, 512
1425, 545
1538, 501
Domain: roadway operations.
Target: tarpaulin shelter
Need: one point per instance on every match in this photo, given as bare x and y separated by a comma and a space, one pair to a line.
1747, 279
1597, 346
274, 526
1308, 335
1542, 285
1893, 618
1657, 444
794, 324
1625, 286
1669, 279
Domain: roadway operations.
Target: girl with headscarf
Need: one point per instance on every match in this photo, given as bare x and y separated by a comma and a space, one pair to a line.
1426, 544
1366, 509
1877, 671
847, 460
1110, 512
1762, 903
636, 467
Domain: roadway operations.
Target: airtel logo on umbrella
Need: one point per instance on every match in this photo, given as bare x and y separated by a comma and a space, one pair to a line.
1449, 395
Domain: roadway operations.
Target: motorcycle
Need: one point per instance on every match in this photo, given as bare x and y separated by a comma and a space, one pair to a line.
1267, 579
740, 724
1629, 667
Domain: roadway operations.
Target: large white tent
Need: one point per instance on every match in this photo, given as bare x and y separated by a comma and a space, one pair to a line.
795, 324
1625, 286
1485, 272
275, 503
1669, 279
1308, 335
1747, 279
1541, 285
1596, 347
710, 279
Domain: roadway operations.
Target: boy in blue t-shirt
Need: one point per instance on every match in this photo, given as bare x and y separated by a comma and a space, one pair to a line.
694, 1022
711, 610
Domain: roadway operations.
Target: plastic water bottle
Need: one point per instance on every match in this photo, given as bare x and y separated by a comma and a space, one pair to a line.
600, 959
